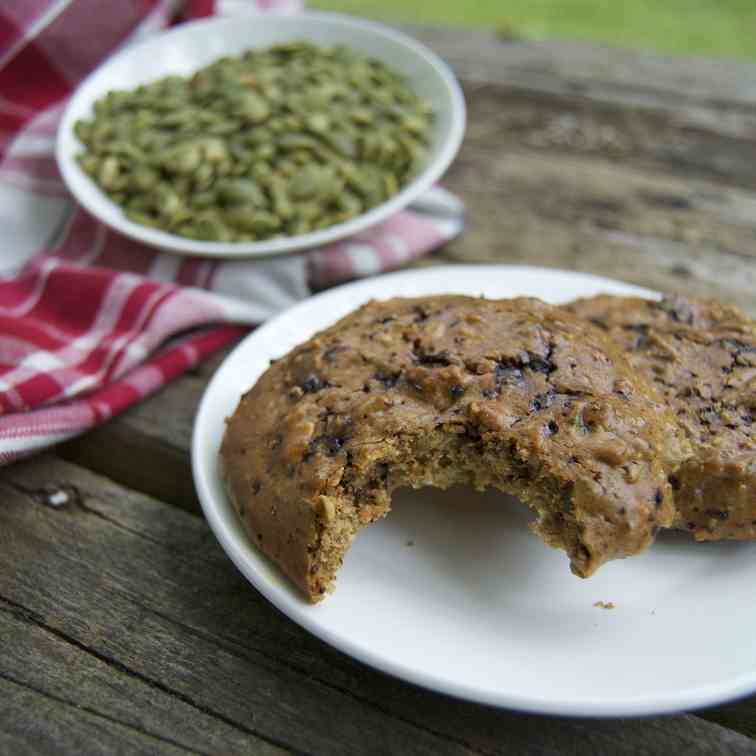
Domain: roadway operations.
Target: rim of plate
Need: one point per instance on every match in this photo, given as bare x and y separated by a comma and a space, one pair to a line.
298, 610
94, 202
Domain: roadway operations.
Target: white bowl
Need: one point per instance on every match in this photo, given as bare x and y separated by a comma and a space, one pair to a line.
194, 45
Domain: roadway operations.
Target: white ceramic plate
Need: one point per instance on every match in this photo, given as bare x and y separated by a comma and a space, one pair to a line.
451, 591
191, 46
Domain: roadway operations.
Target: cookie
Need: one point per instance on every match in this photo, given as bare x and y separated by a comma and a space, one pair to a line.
512, 394
701, 355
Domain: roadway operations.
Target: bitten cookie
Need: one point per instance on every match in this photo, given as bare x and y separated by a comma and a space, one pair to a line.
514, 394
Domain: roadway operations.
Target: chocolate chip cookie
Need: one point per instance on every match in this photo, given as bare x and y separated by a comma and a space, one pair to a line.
513, 394
701, 356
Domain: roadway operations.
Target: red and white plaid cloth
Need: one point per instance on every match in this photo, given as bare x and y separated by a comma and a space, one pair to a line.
94, 321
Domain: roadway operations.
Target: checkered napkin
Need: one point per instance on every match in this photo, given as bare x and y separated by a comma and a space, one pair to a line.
90, 321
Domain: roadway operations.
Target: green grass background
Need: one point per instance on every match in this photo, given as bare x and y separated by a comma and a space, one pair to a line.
725, 28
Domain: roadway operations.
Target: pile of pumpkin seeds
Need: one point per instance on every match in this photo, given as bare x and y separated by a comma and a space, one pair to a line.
272, 143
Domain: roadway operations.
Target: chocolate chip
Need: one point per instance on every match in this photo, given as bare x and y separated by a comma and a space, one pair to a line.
541, 402
553, 427
506, 373
528, 361
541, 365
739, 347
311, 384
420, 314
658, 498
691, 525
332, 443
641, 329
544, 364
506, 370
719, 514
432, 359
329, 353
387, 380
256, 486
674, 481
473, 433
456, 391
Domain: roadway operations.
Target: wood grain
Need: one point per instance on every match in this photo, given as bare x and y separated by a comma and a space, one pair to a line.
56, 667
137, 616
715, 94
35, 723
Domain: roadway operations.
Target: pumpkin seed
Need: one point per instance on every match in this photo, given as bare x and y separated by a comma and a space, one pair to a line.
109, 172
270, 143
241, 192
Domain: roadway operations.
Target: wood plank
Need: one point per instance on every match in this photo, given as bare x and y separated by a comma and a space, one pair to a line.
51, 665
147, 447
717, 94
111, 589
143, 587
135, 451
33, 723
503, 117
588, 214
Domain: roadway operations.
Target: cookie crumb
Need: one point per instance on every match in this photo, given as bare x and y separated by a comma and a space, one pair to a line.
605, 604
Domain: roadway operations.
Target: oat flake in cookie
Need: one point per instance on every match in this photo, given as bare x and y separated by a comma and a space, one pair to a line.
702, 357
514, 394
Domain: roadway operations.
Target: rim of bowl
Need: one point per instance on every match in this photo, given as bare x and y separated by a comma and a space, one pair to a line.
72, 174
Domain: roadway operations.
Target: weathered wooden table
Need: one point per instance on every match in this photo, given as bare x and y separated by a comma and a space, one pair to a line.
123, 626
